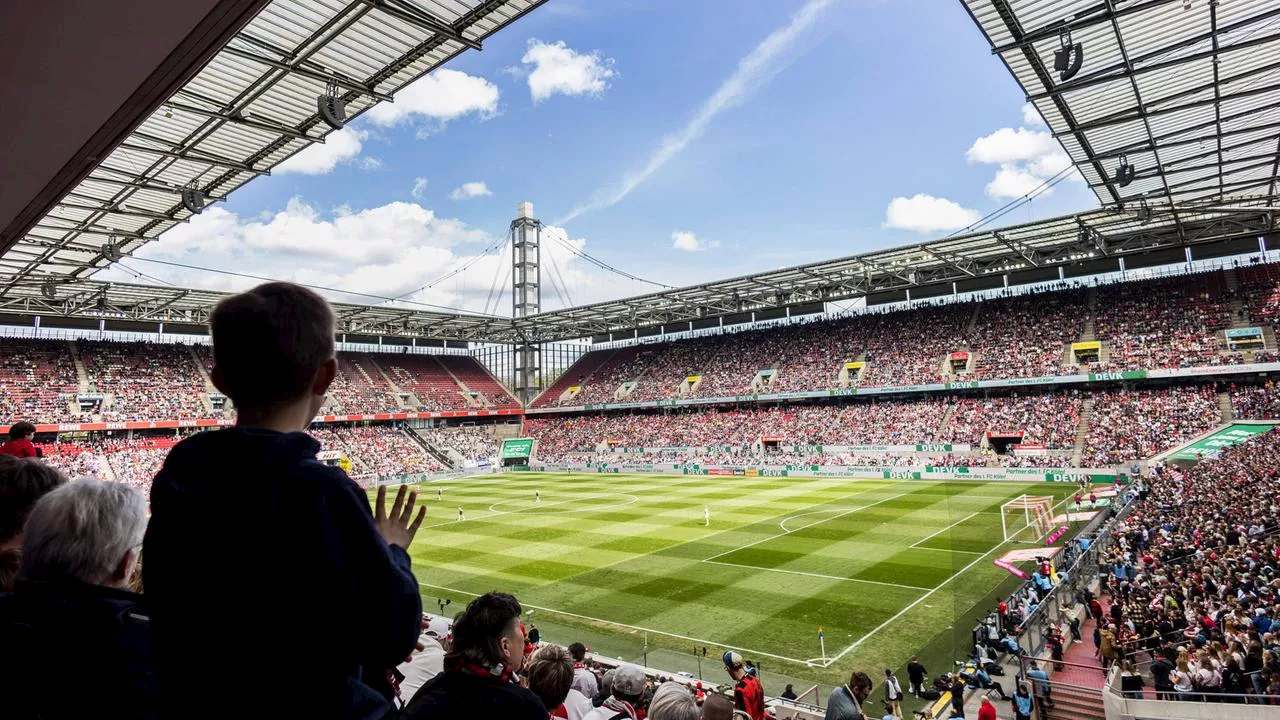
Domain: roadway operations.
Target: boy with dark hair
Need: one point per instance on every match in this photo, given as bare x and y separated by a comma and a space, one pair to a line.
479, 681
275, 591
20, 444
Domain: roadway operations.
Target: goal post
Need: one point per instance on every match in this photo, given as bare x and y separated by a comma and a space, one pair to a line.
1027, 513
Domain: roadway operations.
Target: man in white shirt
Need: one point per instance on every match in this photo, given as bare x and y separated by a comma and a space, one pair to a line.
426, 663
584, 681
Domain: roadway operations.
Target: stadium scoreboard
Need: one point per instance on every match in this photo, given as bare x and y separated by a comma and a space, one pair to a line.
516, 451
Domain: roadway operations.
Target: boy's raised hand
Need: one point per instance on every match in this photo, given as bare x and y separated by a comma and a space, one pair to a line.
400, 527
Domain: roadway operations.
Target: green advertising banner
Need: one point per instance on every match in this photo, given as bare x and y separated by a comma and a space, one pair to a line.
1126, 375
1224, 438
517, 448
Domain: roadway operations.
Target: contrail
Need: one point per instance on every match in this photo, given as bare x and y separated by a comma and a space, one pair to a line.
757, 68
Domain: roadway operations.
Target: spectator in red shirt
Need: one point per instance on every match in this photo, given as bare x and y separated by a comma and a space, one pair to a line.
20, 444
748, 696
986, 711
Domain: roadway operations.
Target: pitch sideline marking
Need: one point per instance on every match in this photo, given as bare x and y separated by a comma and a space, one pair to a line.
919, 600
817, 575
628, 627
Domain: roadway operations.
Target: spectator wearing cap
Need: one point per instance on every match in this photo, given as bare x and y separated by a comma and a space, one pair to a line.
22, 483
428, 662
624, 695
673, 701
845, 701
584, 681
479, 681
20, 445
748, 696
70, 602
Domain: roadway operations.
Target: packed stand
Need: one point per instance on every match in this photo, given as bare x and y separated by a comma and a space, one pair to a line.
1260, 288
1049, 419
1193, 579
359, 388
1026, 336
468, 371
1130, 425
1256, 402
38, 381
475, 446
1163, 323
147, 381
377, 450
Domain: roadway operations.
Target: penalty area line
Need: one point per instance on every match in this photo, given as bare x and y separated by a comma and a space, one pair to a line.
638, 628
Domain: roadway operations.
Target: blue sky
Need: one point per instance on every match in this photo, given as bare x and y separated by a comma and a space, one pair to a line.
747, 135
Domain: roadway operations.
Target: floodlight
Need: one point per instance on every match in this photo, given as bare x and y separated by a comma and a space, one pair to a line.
1068, 58
1124, 173
331, 108
193, 198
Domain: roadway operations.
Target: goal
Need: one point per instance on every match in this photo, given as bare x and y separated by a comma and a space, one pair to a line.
1027, 518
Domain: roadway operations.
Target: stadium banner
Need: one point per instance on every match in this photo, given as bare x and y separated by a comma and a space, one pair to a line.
855, 365
1125, 375
222, 422
1089, 345
980, 474
1229, 436
918, 448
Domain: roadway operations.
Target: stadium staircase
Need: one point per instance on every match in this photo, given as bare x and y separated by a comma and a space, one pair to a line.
1082, 431
1224, 407
208, 382
81, 373
404, 398
443, 456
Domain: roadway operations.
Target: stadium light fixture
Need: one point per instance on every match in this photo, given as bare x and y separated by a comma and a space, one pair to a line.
331, 107
111, 251
1124, 173
1069, 56
193, 198
1144, 212
49, 289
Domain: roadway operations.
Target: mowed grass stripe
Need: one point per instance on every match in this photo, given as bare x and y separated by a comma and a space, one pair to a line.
640, 565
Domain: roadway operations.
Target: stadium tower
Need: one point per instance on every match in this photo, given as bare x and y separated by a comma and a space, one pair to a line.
526, 297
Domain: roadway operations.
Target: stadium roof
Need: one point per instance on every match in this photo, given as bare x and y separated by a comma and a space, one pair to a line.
1186, 91
1080, 245
250, 108
1179, 88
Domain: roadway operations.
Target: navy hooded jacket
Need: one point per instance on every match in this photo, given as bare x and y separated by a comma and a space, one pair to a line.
272, 592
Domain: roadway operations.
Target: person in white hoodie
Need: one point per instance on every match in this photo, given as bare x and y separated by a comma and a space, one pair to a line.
428, 662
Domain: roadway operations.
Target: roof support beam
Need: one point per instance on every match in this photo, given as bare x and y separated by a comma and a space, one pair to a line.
1027, 252
959, 262
1117, 71
1144, 145
196, 156
1084, 19
416, 16
1135, 114
263, 125
299, 68
110, 210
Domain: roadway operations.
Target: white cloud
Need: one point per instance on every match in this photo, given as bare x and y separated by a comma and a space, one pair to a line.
926, 213
437, 98
1011, 181
558, 68
339, 146
1027, 159
1009, 145
384, 251
1031, 116
419, 188
756, 69
689, 242
469, 190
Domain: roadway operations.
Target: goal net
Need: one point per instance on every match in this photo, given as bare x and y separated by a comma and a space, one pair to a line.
1027, 518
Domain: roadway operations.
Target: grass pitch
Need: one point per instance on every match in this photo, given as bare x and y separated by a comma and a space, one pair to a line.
886, 568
